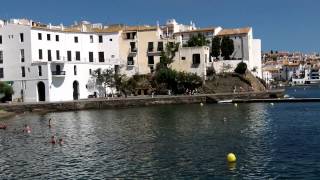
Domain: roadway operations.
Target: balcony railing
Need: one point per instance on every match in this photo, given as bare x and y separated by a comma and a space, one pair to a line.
58, 73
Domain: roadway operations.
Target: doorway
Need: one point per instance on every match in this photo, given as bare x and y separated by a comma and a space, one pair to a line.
41, 91
75, 90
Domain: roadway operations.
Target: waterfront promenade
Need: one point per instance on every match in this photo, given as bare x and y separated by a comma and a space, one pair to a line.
108, 103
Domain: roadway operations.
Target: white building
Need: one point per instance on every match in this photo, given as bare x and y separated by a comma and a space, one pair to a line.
54, 63
246, 48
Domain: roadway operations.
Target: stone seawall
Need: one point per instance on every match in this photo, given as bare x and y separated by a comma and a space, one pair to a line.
133, 102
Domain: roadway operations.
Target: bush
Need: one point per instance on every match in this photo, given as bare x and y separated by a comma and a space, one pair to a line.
241, 68
7, 90
178, 82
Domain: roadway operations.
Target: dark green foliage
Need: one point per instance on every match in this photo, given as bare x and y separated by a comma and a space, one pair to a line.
104, 78
166, 57
178, 82
241, 68
6, 90
198, 40
227, 47
216, 47
124, 84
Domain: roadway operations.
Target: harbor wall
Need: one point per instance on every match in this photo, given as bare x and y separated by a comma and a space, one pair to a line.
134, 102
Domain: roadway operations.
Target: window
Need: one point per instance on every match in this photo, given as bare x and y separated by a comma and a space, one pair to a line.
91, 38
58, 69
75, 70
100, 39
23, 71
21, 37
48, 37
69, 55
58, 54
22, 55
39, 36
133, 47
101, 56
76, 39
40, 70
90, 71
196, 59
77, 55
1, 73
0, 39
49, 55
151, 60
131, 35
160, 46
130, 61
40, 54
183, 58
1, 57
90, 56
57, 38
150, 46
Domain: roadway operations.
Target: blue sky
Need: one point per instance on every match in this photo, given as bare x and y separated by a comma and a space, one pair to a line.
281, 24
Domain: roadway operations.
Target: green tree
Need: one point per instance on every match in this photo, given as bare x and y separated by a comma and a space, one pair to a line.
167, 76
227, 47
241, 68
216, 47
104, 78
189, 81
197, 40
167, 56
6, 91
124, 84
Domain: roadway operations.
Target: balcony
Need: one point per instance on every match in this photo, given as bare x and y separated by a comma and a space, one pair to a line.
58, 73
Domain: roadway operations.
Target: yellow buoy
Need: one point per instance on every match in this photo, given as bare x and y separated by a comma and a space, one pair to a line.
201, 104
231, 158
235, 104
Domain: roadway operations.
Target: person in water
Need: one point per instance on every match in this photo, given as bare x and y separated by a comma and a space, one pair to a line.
26, 129
60, 141
53, 140
3, 126
49, 123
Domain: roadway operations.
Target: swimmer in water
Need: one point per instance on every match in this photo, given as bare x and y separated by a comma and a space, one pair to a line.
60, 141
49, 123
26, 129
53, 140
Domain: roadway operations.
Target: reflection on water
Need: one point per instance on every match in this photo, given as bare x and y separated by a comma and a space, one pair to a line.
183, 141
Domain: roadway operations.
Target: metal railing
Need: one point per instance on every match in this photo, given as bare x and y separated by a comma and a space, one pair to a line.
58, 73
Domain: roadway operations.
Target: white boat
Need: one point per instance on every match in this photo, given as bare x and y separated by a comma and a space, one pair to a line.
225, 101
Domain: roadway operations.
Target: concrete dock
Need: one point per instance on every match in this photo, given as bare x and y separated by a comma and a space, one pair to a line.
111, 103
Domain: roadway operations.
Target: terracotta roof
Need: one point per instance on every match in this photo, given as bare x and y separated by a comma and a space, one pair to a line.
140, 28
209, 29
110, 29
271, 69
225, 32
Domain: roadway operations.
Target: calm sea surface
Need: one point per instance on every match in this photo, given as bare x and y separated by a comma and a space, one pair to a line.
277, 141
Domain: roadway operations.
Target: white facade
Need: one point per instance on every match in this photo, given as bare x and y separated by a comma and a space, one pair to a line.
57, 63
246, 48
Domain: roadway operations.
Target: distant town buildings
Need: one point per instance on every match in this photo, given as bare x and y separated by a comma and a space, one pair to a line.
290, 67
46, 62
